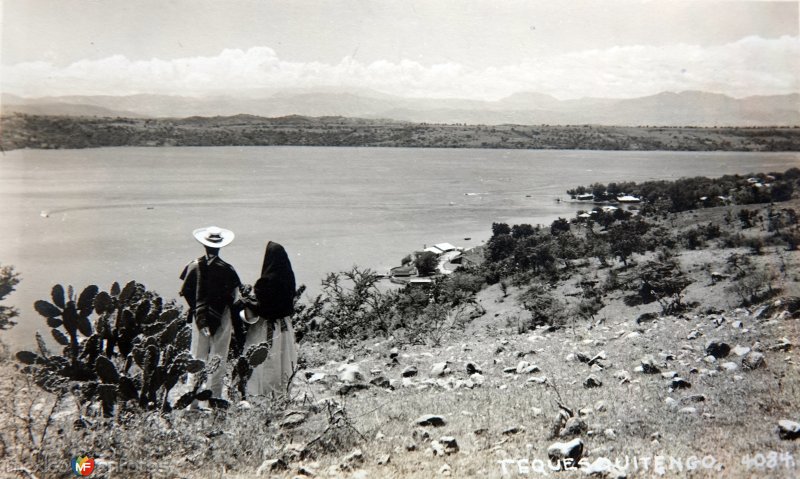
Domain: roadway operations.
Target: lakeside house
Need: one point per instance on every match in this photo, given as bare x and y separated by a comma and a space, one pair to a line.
628, 199
440, 248
585, 197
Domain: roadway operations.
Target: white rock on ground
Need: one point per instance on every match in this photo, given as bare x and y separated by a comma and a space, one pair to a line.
788, 429
350, 373
566, 450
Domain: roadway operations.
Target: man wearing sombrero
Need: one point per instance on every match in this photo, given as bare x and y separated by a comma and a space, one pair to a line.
209, 287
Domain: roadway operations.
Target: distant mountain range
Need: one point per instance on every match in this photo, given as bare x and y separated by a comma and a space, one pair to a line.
690, 108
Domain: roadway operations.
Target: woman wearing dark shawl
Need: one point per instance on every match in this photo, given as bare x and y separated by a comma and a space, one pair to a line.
269, 311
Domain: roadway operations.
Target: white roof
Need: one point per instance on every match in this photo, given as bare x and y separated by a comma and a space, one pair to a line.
433, 249
445, 246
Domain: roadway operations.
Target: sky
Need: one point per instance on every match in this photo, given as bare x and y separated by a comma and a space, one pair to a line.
483, 50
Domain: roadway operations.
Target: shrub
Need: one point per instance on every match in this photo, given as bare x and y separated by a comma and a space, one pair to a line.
753, 285
351, 307
545, 309
8, 281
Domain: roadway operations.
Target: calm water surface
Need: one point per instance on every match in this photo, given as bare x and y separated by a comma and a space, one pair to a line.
127, 213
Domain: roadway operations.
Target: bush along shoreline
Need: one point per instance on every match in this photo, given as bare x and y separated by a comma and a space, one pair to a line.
639, 286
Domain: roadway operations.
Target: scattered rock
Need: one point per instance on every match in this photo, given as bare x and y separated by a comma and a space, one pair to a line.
574, 426
510, 370
348, 388
753, 360
737, 325
592, 382
669, 374
740, 350
679, 383
294, 452
430, 420
566, 450
477, 378
597, 357
609, 433
353, 459
729, 366
783, 345
693, 334
710, 359
622, 375
393, 353
665, 356
582, 357
761, 312
472, 368
350, 373
600, 406
788, 429
271, 465
649, 365
381, 382
306, 471
450, 444
671, 403
535, 411
439, 369
527, 369
688, 410
512, 430
538, 379
646, 318
445, 470
693, 398
292, 419
315, 377
383, 459
604, 468
717, 276
718, 349
410, 371
480, 432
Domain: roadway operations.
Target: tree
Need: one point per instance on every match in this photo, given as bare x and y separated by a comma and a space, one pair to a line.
559, 226
663, 282
624, 242
8, 281
426, 263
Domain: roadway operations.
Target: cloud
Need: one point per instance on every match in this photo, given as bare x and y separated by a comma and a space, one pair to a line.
749, 66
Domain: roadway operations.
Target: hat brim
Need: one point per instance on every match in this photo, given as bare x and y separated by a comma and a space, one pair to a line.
227, 237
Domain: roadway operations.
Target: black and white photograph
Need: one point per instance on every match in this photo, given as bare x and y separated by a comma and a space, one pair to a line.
399, 239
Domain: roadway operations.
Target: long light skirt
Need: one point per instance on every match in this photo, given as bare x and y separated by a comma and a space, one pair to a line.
272, 377
205, 348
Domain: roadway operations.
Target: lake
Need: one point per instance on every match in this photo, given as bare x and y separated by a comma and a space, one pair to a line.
96, 216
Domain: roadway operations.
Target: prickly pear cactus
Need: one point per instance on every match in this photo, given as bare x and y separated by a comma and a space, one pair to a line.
247, 362
134, 350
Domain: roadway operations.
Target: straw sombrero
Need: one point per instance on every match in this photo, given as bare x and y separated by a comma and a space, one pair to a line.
213, 236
